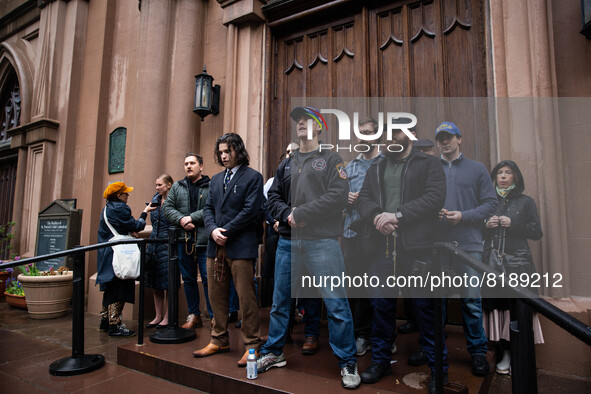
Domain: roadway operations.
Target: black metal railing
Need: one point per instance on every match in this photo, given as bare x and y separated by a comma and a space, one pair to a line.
523, 364
80, 362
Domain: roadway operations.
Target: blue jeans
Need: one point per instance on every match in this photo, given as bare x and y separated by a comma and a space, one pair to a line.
280, 310
188, 267
476, 342
311, 317
320, 257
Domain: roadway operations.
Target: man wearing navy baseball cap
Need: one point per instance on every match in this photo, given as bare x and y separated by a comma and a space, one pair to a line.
448, 127
470, 200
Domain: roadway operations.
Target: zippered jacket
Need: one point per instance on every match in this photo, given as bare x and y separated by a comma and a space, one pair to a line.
119, 216
177, 205
316, 190
423, 195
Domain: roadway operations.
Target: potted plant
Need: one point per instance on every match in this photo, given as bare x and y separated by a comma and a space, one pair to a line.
48, 293
15, 295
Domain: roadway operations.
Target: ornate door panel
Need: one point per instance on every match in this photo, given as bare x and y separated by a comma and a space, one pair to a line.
325, 61
432, 48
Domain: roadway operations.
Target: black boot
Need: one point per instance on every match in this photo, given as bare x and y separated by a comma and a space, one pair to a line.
375, 372
119, 330
104, 324
417, 358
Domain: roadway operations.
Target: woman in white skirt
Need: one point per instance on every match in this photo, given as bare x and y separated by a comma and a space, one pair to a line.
515, 221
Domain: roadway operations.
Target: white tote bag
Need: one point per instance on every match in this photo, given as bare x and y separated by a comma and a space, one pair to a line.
126, 257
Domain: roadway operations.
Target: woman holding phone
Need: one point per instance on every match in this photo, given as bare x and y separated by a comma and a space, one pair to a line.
157, 270
116, 292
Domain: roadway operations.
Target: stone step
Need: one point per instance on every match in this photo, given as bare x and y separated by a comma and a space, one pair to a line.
302, 374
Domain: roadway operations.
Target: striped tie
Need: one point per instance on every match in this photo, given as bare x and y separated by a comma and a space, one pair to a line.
227, 179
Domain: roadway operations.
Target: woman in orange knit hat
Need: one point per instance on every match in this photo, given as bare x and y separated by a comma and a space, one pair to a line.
116, 291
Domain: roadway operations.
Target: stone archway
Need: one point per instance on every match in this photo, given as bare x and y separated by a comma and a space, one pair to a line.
10, 113
15, 92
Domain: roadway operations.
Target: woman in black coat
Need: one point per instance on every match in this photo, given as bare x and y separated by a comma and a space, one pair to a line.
516, 220
157, 272
116, 291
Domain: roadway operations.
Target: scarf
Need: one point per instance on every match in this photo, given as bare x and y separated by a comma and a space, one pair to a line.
503, 192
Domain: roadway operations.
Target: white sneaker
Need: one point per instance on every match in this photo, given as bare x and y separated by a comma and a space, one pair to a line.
394, 348
350, 376
504, 366
270, 360
362, 345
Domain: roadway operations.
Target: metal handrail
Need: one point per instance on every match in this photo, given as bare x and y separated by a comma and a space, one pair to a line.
79, 249
522, 340
565, 321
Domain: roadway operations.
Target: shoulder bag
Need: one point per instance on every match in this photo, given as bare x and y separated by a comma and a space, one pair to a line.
126, 257
506, 263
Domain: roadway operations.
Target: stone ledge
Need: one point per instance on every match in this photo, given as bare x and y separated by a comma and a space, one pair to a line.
242, 11
37, 131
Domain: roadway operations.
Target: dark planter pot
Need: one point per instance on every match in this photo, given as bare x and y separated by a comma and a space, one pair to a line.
16, 300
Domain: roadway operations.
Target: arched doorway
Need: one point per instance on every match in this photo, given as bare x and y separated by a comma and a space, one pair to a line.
10, 108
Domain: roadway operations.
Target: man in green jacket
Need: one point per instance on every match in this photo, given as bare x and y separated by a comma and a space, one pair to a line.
184, 208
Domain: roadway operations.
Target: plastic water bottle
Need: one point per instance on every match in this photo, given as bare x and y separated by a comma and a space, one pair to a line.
251, 364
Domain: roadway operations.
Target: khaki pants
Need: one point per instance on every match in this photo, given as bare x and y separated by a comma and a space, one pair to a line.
219, 285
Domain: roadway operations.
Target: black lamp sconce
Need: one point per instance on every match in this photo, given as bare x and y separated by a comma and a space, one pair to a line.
207, 95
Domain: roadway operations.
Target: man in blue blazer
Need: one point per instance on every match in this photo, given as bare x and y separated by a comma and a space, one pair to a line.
232, 216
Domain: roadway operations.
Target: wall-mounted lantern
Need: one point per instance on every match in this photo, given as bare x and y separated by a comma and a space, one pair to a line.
207, 95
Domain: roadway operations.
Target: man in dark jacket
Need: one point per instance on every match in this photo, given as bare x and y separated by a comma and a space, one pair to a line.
400, 199
184, 208
308, 196
232, 213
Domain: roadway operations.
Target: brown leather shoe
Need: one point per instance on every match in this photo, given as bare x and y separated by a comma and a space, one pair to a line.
193, 321
242, 361
310, 345
211, 349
